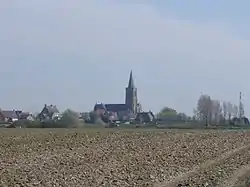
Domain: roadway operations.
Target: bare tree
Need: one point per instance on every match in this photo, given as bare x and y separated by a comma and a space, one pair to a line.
196, 115
229, 110
235, 111
216, 111
225, 110
204, 107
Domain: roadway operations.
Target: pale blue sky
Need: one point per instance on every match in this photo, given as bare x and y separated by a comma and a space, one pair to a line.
74, 53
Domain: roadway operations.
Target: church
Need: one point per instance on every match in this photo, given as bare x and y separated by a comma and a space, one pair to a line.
125, 111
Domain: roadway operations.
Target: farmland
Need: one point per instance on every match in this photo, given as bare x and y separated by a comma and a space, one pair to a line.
60, 157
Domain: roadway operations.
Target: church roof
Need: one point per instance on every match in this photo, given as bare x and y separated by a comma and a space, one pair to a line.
111, 107
116, 107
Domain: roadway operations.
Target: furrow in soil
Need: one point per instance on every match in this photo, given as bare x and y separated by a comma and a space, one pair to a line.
217, 174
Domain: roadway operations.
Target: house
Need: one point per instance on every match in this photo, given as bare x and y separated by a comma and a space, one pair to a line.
49, 112
116, 111
85, 116
145, 117
25, 116
8, 115
123, 111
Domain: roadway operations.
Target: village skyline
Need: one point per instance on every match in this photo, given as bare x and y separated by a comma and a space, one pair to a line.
131, 106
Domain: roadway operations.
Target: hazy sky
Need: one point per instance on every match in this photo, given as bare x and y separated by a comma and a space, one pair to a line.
75, 53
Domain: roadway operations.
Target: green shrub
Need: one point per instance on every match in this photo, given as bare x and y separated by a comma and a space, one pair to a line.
99, 122
69, 119
50, 124
29, 124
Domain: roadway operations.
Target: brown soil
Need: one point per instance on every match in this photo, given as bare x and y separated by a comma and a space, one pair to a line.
40, 157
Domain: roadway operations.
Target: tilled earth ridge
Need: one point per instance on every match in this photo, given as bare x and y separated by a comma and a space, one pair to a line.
219, 173
243, 182
108, 158
240, 178
182, 179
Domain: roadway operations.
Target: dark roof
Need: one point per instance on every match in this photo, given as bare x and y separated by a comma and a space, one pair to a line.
24, 115
99, 106
111, 107
131, 83
18, 112
116, 107
9, 113
51, 109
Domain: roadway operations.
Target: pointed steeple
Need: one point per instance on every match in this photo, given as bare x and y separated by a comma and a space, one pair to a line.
131, 81
131, 95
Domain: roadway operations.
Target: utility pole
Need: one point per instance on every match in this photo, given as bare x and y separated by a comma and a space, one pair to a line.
241, 108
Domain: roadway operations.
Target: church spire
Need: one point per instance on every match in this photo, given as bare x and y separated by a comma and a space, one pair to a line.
131, 81
131, 95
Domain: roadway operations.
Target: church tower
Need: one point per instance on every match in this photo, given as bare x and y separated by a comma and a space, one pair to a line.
131, 95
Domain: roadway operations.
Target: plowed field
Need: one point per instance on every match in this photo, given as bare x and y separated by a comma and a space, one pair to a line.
42, 157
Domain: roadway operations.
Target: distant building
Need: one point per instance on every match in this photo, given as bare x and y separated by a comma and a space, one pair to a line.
25, 116
49, 112
8, 115
145, 117
122, 111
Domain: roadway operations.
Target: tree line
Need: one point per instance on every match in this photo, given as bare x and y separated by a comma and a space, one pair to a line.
208, 111
213, 111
